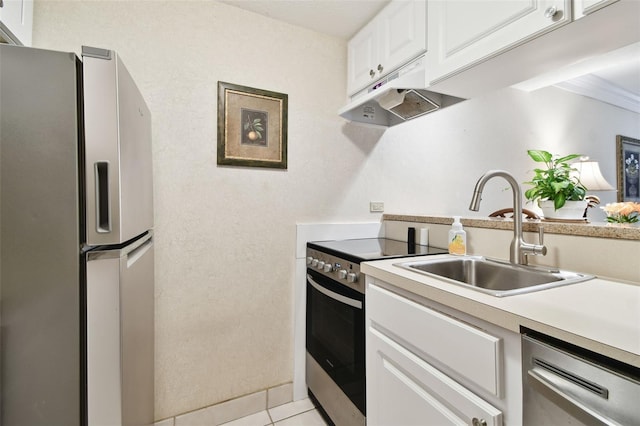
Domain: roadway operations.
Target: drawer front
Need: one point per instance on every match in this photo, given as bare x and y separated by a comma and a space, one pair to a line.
404, 389
467, 350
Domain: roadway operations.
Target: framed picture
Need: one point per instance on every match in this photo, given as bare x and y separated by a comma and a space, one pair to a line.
252, 127
627, 161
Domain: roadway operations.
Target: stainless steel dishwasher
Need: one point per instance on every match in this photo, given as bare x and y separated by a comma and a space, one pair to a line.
567, 385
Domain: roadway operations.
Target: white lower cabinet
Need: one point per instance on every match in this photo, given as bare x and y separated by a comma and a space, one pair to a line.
410, 391
430, 365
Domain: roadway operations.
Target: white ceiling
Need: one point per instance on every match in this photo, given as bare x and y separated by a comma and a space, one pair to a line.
626, 76
339, 18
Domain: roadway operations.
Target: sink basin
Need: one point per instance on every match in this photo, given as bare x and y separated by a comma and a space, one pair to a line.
493, 276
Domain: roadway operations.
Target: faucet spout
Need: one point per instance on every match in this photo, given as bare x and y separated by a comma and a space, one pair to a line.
476, 198
519, 248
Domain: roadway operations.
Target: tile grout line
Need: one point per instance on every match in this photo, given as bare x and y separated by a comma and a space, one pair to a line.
293, 415
268, 412
173, 419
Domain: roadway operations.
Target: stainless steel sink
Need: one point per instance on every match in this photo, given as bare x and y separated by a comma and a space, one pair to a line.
493, 276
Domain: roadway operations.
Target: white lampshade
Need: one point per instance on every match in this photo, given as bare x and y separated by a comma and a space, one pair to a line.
590, 176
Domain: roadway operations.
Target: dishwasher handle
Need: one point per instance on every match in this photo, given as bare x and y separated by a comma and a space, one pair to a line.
566, 402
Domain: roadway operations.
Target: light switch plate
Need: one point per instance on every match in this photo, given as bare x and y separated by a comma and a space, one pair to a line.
376, 207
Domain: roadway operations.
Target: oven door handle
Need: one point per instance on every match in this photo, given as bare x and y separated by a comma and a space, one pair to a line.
335, 296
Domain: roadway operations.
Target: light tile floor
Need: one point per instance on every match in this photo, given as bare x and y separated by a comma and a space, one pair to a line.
297, 413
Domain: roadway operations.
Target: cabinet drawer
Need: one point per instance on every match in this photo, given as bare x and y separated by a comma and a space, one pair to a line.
467, 350
404, 389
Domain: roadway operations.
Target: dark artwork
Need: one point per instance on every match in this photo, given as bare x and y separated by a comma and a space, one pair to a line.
254, 127
631, 175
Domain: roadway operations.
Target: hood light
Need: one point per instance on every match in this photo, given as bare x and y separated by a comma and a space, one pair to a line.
408, 104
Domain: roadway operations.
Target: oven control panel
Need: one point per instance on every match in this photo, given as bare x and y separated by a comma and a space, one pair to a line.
335, 268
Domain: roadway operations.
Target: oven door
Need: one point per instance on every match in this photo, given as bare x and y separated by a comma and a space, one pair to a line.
335, 334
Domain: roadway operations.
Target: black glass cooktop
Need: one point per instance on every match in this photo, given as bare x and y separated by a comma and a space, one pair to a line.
364, 249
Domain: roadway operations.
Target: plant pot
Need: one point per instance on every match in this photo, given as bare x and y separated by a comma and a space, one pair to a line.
572, 210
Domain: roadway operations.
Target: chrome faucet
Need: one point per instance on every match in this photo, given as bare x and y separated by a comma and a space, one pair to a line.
519, 248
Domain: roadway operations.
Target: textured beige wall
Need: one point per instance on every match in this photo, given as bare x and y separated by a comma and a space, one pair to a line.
225, 236
432, 164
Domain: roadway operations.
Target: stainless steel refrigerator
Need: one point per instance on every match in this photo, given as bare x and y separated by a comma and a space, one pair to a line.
76, 242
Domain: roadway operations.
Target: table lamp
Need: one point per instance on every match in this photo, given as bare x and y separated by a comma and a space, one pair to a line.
588, 171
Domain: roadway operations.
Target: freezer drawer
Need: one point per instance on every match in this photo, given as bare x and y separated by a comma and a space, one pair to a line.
120, 335
118, 168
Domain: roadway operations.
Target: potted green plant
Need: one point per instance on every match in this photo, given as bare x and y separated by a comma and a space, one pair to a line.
557, 190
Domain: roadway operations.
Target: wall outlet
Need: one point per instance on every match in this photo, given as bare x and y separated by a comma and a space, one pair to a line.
376, 207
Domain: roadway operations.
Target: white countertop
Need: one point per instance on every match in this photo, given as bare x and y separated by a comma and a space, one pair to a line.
599, 315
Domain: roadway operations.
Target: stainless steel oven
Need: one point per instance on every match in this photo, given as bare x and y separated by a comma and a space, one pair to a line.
335, 332
335, 348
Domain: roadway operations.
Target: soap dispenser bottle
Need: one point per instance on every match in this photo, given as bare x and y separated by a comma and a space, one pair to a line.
457, 238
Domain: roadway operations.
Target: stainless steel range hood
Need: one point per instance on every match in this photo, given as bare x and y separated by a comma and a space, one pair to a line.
401, 96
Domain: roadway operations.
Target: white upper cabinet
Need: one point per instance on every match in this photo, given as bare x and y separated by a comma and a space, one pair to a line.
584, 7
363, 55
395, 36
16, 21
464, 32
476, 47
403, 31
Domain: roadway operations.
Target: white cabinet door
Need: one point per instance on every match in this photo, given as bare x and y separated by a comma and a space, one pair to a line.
584, 7
395, 36
465, 32
403, 29
403, 389
16, 21
362, 58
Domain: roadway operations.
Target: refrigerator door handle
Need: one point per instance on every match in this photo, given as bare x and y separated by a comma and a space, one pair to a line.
103, 204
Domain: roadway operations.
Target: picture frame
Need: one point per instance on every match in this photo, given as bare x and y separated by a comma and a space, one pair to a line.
627, 167
252, 127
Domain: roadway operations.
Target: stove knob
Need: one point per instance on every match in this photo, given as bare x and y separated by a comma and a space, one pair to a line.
321, 264
342, 274
314, 263
309, 260
352, 277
